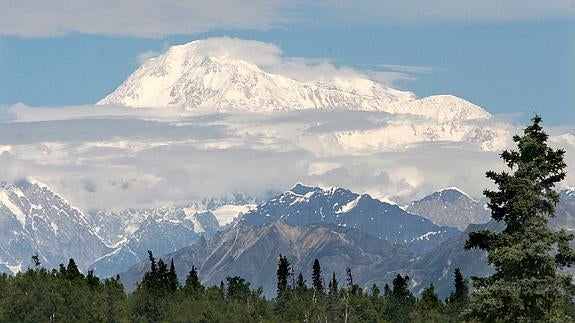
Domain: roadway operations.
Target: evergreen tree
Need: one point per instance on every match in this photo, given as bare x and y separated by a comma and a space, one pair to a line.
332, 286
429, 308
527, 285
461, 293
237, 288
72, 271
283, 272
353, 288
459, 298
173, 283
375, 291
316, 277
193, 283
399, 300
92, 280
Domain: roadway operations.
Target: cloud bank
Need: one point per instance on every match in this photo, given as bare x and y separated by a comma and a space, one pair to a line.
113, 157
148, 18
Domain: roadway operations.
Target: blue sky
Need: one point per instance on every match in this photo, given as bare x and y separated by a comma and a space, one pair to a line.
513, 58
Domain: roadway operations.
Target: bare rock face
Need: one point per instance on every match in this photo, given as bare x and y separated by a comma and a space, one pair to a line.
252, 253
451, 207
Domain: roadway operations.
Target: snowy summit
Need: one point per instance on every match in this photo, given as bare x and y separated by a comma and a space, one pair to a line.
216, 73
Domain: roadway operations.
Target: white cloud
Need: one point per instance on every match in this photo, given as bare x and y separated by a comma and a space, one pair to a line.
148, 18
443, 11
142, 18
136, 157
143, 57
271, 59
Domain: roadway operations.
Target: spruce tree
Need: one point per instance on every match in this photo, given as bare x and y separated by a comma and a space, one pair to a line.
72, 271
527, 285
172, 278
283, 272
193, 281
316, 277
459, 298
429, 308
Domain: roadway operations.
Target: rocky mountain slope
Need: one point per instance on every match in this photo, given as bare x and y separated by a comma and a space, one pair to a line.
252, 253
303, 205
450, 207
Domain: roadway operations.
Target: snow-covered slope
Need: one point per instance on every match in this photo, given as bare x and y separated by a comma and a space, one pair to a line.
193, 76
161, 230
34, 219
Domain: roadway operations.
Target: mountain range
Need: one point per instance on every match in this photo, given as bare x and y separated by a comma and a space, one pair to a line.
304, 205
339, 227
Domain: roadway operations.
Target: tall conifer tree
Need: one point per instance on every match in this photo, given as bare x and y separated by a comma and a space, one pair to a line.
527, 285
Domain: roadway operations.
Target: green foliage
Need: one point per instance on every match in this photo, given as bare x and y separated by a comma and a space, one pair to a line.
458, 300
429, 308
400, 300
527, 285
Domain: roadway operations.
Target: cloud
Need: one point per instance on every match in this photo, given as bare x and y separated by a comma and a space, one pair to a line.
142, 18
270, 58
442, 11
148, 18
143, 57
137, 157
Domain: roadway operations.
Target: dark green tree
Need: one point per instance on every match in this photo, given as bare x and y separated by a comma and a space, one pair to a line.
459, 298
316, 277
283, 272
172, 278
72, 271
527, 285
429, 308
400, 300
237, 288
92, 280
193, 283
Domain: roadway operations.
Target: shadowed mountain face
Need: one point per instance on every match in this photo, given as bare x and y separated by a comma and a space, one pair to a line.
252, 252
304, 205
450, 207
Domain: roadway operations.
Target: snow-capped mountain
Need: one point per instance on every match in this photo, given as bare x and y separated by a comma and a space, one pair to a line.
193, 76
303, 205
34, 219
162, 230
450, 207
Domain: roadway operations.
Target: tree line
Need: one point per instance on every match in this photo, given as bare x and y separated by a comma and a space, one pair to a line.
67, 295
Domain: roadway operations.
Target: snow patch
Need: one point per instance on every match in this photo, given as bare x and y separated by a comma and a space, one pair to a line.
349, 205
20, 216
226, 214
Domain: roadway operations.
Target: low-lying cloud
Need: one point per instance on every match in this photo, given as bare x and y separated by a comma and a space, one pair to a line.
100, 157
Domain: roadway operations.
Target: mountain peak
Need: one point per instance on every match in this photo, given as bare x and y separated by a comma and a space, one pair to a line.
227, 74
448, 195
